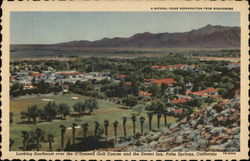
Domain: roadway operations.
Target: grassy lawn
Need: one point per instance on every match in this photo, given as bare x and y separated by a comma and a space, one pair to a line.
107, 111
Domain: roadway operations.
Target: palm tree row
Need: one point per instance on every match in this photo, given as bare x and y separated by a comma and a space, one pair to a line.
97, 130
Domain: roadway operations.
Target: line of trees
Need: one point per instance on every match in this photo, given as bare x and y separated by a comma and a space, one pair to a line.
54, 111
33, 139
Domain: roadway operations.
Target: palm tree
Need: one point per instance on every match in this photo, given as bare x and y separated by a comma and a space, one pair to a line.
25, 136
85, 128
115, 124
133, 118
142, 119
38, 132
63, 130
73, 132
158, 119
11, 143
51, 139
150, 117
106, 125
165, 114
124, 126
11, 118
97, 126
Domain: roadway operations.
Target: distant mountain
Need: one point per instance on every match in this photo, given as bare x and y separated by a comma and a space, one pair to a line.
206, 37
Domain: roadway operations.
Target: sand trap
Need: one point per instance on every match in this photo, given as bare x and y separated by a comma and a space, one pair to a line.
74, 98
77, 127
47, 100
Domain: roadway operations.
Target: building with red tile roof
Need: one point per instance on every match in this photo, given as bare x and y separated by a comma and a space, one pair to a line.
177, 111
176, 101
209, 92
128, 83
160, 66
36, 74
168, 81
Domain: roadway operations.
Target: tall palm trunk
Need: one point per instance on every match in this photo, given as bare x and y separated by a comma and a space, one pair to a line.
115, 124
11, 143
106, 124
51, 139
97, 125
133, 120
73, 135
150, 116
73, 132
25, 136
142, 119
133, 127
62, 141
85, 129
37, 144
165, 120
124, 126
63, 130
150, 124
50, 146
106, 134
158, 120
141, 128
38, 136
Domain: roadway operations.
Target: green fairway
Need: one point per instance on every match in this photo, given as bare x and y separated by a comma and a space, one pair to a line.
107, 111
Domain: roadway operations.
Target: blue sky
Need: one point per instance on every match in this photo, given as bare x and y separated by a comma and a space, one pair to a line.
55, 27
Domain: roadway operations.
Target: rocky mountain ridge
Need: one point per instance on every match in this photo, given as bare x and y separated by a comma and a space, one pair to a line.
205, 37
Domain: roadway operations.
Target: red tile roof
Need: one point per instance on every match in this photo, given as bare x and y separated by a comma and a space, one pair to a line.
128, 83
210, 90
160, 67
145, 93
176, 101
168, 81
177, 111
36, 74
203, 92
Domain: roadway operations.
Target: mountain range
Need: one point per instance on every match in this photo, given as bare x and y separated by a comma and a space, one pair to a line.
206, 37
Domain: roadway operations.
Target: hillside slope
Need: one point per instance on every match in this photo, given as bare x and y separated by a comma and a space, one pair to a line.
214, 128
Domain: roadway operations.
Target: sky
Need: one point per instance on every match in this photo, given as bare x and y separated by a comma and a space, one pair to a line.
56, 27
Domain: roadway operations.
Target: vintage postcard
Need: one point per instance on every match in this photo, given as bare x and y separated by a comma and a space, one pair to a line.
125, 80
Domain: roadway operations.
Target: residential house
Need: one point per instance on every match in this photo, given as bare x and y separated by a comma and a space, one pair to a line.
209, 92
168, 81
